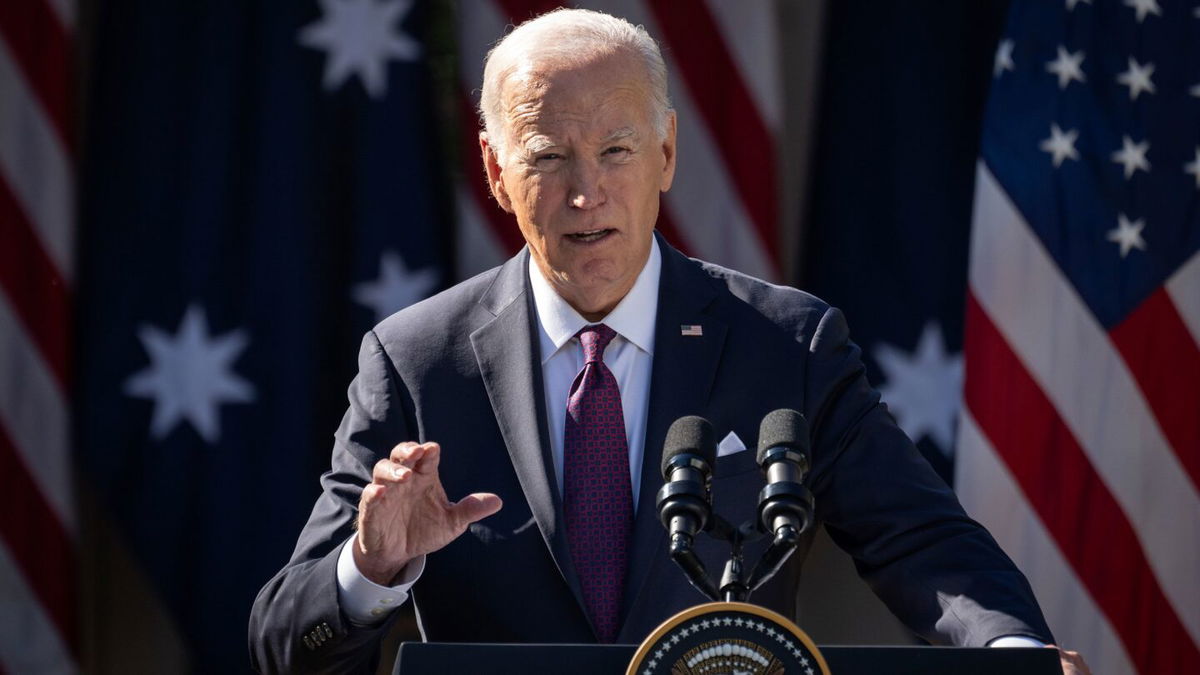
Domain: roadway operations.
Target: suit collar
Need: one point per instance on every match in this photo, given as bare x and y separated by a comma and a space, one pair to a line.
509, 365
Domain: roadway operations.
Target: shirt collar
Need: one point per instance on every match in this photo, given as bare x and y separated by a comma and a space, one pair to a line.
633, 318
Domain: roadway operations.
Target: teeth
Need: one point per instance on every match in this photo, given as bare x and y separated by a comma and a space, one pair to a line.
590, 234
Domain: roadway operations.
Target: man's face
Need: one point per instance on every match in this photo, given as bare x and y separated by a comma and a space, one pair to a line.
582, 173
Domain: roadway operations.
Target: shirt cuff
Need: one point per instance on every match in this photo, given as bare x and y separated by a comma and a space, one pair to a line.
1016, 641
365, 602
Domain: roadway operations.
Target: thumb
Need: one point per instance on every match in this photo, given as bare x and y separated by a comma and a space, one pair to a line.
475, 507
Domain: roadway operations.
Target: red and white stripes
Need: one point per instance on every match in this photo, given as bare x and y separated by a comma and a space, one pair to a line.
1096, 431
724, 83
37, 193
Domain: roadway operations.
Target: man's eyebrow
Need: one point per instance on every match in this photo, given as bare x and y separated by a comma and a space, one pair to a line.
538, 144
620, 135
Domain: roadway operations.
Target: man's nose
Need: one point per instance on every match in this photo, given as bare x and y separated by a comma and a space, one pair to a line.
587, 186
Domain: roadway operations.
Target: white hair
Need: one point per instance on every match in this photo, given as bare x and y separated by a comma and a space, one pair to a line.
568, 36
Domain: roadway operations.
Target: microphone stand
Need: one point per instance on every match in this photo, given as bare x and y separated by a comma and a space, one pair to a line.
734, 585
693, 568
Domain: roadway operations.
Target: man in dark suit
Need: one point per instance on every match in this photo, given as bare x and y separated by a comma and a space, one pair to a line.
551, 381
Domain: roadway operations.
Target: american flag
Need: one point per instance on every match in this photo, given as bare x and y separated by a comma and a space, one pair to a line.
726, 90
37, 520
1079, 445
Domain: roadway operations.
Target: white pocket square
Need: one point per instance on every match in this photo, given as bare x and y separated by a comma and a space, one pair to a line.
729, 445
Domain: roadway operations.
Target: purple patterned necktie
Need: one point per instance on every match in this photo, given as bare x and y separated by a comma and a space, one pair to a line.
598, 500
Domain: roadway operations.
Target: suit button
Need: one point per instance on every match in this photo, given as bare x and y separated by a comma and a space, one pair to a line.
309, 643
328, 631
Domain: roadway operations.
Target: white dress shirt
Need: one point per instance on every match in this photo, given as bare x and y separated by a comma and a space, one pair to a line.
629, 357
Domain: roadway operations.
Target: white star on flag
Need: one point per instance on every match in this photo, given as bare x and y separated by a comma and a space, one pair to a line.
1003, 60
1132, 156
1128, 234
359, 37
1194, 167
190, 375
923, 390
1067, 67
1144, 7
1195, 91
1061, 145
1071, 3
396, 288
1137, 78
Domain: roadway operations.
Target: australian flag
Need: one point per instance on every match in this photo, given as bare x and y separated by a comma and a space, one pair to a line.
261, 186
888, 226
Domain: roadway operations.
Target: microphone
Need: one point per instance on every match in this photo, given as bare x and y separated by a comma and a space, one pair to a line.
684, 502
785, 506
689, 453
783, 455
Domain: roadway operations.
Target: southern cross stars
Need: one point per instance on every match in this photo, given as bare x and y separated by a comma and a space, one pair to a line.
1067, 67
923, 390
359, 37
1144, 7
1128, 235
1132, 156
1137, 78
1060, 145
396, 288
1194, 167
1003, 60
190, 375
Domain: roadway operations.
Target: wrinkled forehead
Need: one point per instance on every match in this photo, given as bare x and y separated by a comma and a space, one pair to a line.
542, 92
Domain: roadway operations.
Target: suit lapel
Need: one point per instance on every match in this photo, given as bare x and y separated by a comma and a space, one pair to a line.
681, 380
510, 364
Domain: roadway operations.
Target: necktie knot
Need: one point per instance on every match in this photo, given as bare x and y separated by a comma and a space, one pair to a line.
595, 339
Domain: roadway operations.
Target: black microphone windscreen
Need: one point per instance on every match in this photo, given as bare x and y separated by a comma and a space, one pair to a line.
783, 427
689, 435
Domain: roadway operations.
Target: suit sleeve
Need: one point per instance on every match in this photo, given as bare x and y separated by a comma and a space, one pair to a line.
296, 625
937, 570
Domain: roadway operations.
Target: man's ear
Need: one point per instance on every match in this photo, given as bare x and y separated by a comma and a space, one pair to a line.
491, 163
668, 150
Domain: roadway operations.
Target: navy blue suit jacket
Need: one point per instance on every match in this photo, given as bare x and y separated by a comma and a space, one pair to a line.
462, 368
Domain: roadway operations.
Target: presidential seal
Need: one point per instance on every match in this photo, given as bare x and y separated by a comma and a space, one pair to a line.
727, 638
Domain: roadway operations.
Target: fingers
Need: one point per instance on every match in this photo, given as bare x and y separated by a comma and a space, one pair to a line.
475, 507
405, 459
1072, 662
427, 465
387, 472
407, 453
421, 457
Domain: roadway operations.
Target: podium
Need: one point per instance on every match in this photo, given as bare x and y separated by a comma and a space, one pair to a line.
416, 658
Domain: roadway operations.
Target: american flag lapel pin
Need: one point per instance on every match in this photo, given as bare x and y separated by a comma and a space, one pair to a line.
689, 330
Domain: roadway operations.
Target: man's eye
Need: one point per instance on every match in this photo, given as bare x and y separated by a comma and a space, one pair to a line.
549, 156
616, 150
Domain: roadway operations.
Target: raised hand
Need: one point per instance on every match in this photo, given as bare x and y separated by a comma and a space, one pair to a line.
404, 512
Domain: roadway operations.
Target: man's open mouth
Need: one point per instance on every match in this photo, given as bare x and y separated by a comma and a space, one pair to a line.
590, 235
